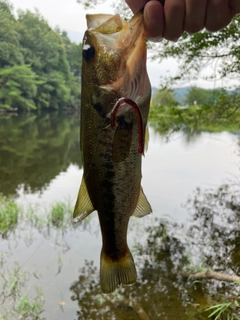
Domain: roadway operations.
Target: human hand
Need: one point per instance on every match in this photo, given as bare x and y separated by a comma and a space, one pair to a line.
176, 16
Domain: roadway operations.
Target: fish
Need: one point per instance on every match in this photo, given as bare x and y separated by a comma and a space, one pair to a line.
115, 100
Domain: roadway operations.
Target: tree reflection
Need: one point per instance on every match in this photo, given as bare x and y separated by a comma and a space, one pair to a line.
158, 291
34, 149
216, 234
172, 252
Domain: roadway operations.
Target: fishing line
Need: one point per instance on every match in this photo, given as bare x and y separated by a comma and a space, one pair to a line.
33, 253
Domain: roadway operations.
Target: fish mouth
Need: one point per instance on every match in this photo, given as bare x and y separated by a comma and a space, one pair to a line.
125, 34
132, 31
104, 23
125, 44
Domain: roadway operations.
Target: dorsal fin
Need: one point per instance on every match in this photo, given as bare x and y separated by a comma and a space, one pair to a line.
83, 206
143, 207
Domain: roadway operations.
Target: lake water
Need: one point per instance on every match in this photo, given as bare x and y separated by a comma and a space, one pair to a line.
183, 175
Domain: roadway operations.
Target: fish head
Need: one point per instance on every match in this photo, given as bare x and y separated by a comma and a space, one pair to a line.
114, 58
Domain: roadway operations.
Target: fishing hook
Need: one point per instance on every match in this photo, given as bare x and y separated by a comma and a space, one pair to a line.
136, 109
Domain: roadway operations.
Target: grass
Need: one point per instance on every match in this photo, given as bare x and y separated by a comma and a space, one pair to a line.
15, 302
9, 214
13, 215
224, 311
32, 308
59, 215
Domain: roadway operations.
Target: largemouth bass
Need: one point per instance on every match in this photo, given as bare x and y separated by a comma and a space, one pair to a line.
113, 67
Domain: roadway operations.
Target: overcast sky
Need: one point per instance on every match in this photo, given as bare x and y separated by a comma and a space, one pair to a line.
70, 16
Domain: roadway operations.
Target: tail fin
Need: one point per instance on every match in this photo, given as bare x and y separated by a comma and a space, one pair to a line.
116, 273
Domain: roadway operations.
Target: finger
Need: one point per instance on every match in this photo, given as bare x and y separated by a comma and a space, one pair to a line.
217, 15
136, 5
174, 11
153, 20
195, 15
234, 6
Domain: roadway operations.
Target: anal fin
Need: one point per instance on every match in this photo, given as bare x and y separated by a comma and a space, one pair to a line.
143, 206
83, 206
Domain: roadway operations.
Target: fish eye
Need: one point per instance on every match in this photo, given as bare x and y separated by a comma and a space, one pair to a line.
88, 52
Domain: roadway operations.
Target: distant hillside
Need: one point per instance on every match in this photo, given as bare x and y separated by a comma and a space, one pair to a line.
179, 94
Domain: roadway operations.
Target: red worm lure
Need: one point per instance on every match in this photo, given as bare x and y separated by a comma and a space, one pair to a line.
131, 103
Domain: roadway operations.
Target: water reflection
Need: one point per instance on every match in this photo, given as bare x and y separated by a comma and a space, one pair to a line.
165, 261
34, 149
202, 234
217, 213
170, 252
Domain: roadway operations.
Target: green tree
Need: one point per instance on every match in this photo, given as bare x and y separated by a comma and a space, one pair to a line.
197, 96
10, 53
217, 96
31, 51
18, 87
45, 51
42, 47
73, 53
53, 91
201, 97
164, 97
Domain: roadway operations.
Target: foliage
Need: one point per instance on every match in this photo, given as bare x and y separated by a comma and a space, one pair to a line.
90, 4
222, 115
10, 53
18, 87
195, 52
202, 97
164, 97
48, 62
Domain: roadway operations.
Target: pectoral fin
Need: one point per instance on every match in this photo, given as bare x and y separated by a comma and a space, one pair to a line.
143, 207
83, 206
